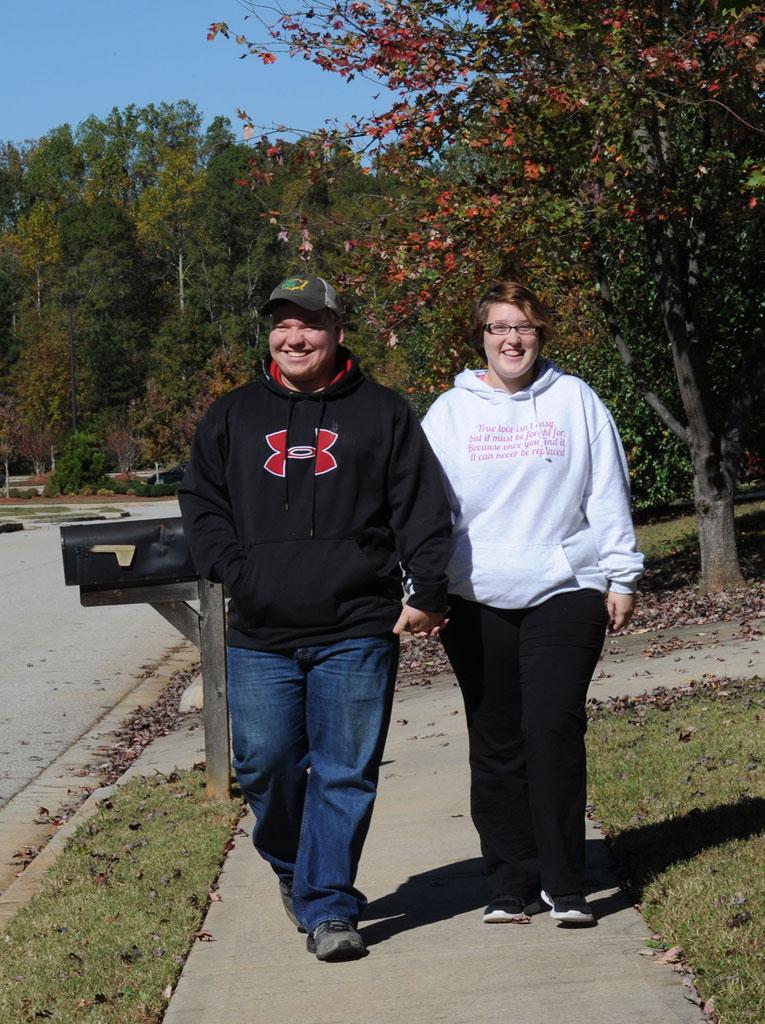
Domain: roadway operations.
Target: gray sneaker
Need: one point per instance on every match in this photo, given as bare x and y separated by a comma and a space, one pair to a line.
335, 940
285, 891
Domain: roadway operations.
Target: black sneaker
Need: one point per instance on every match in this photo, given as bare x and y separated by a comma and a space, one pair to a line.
535, 905
335, 940
285, 891
506, 910
571, 907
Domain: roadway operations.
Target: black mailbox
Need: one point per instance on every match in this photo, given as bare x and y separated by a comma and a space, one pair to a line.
108, 556
147, 561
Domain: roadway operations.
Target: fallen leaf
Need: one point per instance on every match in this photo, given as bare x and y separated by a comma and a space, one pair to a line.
672, 956
744, 917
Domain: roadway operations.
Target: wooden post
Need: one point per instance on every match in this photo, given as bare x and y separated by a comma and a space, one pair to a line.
212, 631
168, 591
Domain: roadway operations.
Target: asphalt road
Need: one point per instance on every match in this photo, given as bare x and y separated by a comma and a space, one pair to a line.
62, 666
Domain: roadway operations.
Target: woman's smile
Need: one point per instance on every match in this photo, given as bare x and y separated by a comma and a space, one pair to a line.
511, 357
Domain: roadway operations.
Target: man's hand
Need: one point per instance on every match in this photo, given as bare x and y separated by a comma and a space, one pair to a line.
418, 623
620, 608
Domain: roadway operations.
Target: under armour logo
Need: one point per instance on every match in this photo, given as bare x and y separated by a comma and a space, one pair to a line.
276, 464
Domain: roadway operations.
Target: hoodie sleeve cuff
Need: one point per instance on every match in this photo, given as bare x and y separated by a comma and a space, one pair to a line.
621, 588
429, 599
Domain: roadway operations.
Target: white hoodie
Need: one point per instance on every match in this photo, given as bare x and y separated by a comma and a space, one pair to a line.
539, 490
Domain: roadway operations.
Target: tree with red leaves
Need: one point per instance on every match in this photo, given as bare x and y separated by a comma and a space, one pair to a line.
618, 146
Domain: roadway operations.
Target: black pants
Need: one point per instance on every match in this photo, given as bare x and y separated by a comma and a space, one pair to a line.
524, 676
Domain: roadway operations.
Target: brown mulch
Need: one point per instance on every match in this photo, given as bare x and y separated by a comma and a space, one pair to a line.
143, 726
663, 698
419, 661
688, 606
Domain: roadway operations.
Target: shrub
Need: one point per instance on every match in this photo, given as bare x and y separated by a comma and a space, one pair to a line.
80, 465
163, 490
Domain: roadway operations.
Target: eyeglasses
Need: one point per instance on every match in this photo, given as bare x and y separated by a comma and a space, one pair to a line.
502, 329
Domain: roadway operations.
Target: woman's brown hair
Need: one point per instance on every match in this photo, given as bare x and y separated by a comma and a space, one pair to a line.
515, 294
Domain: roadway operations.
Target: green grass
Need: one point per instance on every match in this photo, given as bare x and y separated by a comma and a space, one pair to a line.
51, 512
111, 928
667, 537
681, 792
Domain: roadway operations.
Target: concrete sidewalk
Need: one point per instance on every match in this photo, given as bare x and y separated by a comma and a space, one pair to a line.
431, 957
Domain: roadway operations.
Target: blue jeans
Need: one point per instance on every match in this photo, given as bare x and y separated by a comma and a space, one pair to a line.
308, 730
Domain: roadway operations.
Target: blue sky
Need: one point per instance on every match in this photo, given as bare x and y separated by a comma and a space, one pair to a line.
61, 60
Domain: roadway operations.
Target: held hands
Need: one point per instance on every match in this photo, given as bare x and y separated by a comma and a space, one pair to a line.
420, 624
619, 608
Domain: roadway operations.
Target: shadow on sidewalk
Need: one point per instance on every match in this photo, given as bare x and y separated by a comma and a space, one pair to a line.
453, 889
434, 895
601, 874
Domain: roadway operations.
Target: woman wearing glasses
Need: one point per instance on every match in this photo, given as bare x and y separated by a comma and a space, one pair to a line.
543, 560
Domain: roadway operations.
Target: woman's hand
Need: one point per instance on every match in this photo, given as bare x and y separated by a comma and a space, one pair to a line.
620, 608
418, 623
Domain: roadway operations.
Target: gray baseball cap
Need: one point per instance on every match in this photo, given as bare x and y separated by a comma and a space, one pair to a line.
312, 293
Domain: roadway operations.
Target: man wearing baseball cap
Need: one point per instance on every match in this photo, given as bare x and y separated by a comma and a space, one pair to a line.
313, 496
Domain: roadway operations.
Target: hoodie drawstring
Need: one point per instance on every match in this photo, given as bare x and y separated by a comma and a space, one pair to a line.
541, 430
322, 408
291, 406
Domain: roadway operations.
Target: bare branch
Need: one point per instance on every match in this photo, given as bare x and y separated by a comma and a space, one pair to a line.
709, 101
649, 396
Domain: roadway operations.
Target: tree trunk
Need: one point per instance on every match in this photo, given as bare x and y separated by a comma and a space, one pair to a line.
181, 293
714, 459
676, 263
7, 479
717, 534
208, 295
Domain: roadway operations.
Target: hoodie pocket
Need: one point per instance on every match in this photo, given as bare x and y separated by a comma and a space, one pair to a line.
508, 575
305, 583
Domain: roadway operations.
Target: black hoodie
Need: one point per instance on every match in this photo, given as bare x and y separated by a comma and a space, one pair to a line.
307, 506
